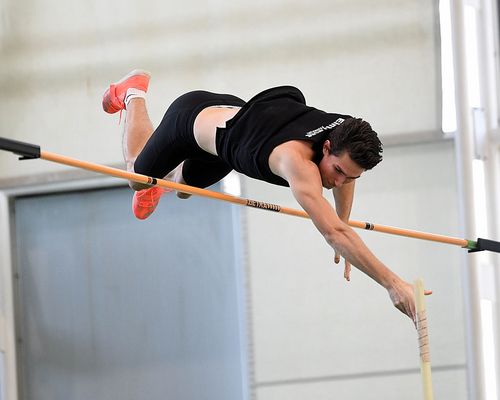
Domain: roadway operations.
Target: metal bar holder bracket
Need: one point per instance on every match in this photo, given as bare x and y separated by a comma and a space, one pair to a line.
486, 244
27, 151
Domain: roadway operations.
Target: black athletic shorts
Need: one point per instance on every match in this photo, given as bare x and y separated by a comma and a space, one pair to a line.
173, 142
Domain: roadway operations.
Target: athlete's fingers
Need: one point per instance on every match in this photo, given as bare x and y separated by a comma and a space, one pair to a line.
347, 271
337, 257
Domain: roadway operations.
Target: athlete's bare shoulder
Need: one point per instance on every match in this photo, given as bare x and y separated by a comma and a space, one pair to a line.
291, 152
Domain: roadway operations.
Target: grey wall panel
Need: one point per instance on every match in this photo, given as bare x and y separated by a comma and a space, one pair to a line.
115, 308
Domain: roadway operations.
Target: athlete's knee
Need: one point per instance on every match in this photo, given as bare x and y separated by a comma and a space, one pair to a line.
183, 196
138, 185
133, 184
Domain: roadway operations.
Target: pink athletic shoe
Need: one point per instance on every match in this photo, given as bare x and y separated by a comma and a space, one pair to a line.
113, 99
145, 201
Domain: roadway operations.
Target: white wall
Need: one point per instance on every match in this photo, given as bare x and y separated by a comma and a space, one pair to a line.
57, 59
314, 333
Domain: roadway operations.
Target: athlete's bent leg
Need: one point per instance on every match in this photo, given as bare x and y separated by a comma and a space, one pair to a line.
128, 94
136, 132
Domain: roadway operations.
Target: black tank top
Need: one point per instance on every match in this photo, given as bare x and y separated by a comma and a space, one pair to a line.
269, 119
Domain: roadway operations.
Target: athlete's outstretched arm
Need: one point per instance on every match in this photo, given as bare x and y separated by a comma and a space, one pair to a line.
305, 182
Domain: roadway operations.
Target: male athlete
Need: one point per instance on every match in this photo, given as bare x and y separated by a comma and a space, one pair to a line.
274, 137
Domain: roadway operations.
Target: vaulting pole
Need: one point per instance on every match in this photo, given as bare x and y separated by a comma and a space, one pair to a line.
423, 340
30, 151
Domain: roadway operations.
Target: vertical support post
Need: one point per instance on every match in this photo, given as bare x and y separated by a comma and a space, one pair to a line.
464, 146
489, 79
7, 318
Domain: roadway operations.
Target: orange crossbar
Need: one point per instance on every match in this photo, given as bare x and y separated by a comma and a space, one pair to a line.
241, 201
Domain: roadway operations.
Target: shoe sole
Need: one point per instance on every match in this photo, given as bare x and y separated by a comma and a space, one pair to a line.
133, 73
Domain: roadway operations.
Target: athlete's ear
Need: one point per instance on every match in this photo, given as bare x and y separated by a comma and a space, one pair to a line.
326, 147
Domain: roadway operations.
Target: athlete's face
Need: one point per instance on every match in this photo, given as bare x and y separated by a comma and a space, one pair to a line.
337, 170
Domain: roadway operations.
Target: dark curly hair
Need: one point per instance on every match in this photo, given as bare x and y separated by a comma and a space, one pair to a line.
359, 139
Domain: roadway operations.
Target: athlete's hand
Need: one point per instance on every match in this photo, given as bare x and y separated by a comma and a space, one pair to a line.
347, 267
403, 298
